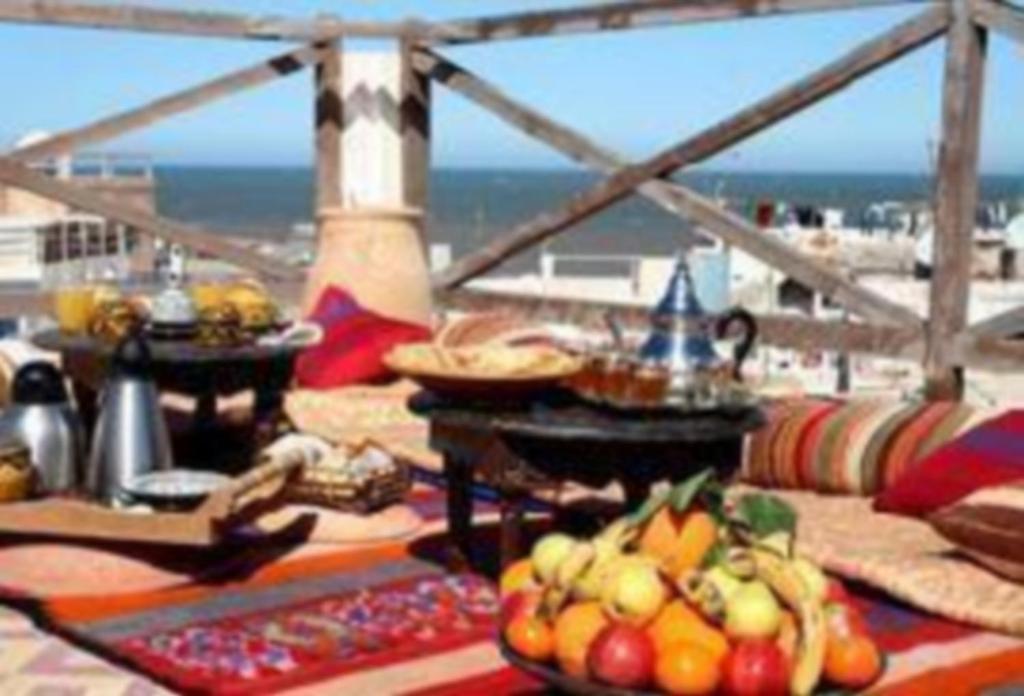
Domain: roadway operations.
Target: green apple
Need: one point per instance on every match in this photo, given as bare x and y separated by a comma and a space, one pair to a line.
634, 592
606, 556
752, 611
813, 577
548, 553
725, 582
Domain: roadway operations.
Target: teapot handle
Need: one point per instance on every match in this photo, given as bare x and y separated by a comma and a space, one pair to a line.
738, 315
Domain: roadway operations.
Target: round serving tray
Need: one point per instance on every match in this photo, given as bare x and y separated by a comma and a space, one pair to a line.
476, 389
563, 683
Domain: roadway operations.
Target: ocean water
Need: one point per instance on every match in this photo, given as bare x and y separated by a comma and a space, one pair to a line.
468, 207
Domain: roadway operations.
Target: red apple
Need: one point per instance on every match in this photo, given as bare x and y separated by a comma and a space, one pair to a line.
519, 604
755, 668
623, 656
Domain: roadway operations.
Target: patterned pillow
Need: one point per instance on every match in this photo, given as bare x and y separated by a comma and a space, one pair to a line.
988, 526
854, 447
991, 454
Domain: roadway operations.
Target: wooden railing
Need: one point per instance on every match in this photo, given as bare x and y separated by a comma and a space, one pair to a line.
942, 341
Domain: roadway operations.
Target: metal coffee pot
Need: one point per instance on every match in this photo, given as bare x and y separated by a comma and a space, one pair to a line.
131, 435
41, 417
682, 334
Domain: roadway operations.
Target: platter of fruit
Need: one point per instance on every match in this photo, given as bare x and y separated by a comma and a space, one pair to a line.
688, 595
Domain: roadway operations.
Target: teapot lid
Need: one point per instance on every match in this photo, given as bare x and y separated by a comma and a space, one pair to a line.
680, 299
132, 357
38, 383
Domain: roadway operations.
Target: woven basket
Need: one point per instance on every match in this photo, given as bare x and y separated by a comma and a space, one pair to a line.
327, 486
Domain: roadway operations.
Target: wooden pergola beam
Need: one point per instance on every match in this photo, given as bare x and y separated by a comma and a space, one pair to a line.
861, 61
785, 331
328, 119
617, 16
667, 194
956, 199
1001, 17
170, 105
1002, 325
17, 175
148, 19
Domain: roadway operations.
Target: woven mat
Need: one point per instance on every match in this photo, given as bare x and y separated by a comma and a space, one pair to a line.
906, 559
350, 414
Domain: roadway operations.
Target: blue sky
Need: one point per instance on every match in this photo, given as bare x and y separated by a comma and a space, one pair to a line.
636, 91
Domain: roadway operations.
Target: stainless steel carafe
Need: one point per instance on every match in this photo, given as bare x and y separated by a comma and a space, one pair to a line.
131, 435
41, 417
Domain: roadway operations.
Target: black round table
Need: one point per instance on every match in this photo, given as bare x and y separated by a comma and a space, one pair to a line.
186, 368
521, 448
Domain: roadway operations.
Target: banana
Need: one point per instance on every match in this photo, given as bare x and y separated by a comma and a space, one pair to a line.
575, 564
782, 576
702, 591
779, 542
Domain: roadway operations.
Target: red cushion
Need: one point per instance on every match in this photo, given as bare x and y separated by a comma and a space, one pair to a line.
989, 455
354, 344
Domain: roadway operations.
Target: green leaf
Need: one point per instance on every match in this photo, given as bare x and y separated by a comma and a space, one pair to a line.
712, 497
650, 508
683, 494
766, 514
715, 555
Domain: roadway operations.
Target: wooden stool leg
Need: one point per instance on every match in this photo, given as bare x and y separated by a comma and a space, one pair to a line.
512, 506
267, 413
87, 401
460, 511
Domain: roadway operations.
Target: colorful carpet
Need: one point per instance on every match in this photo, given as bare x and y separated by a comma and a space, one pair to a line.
388, 620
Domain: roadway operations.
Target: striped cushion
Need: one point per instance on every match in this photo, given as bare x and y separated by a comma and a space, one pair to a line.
856, 447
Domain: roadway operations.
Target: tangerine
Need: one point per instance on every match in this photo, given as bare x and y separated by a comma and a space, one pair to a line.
678, 622
575, 629
680, 541
687, 669
531, 637
853, 661
516, 576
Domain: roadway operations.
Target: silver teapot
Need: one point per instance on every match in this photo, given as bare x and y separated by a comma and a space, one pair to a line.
682, 334
131, 436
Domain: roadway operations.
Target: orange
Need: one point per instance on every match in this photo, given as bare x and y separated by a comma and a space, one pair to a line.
852, 661
679, 541
689, 669
575, 629
531, 637
678, 623
516, 576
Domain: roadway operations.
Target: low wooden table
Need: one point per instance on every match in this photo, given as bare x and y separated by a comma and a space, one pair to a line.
186, 368
522, 449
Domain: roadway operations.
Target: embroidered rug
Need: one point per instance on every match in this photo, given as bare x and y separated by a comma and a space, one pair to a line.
388, 619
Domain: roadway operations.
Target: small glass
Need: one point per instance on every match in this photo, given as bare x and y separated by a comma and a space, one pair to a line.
617, 373
74, 306
649, 386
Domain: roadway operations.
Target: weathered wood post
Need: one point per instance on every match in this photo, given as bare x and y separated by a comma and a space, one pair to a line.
957, 197
373, 159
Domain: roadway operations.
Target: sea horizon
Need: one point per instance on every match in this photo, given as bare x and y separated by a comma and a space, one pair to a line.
469, 206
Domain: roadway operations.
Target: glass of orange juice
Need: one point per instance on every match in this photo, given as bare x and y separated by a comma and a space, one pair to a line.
74, 307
